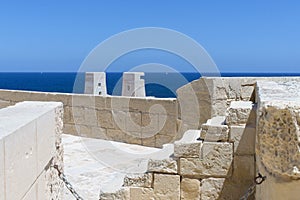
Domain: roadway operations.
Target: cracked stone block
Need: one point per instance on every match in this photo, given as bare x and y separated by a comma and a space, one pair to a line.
166, 186
238, 112
190, 189
216, 160
141, 180
211, 188
163, 166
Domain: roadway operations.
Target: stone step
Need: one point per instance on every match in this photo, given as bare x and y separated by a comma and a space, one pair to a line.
238, 112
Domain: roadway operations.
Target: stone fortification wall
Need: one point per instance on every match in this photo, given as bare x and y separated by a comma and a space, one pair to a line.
30, 143
216, 162
146, 121
207, 97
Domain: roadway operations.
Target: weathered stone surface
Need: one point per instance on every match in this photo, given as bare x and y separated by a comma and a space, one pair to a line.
138, 193
142, 180
215, 161
243, 138
243, 170
190, 189
238, 112
163, 166
166, 187
214, 133
211, 188
187, 150
122, 194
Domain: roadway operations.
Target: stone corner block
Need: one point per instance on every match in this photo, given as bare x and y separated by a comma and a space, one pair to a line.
163, 166
238, 112
214, 133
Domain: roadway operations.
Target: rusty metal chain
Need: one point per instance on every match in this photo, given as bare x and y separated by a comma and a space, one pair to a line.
257, 181
67, 183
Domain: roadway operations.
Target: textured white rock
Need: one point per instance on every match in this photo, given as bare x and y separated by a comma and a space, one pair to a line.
141, 180
166, 187
215, 161
238, 112
163, 166
187, 150
214, 133
211, 188
190, 189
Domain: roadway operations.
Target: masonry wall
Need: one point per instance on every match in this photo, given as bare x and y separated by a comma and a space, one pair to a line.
145, 121
30, 142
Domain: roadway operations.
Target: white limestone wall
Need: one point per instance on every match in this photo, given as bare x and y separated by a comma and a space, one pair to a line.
29, 143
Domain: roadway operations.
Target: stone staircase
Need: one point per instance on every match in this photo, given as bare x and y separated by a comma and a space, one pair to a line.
216, 162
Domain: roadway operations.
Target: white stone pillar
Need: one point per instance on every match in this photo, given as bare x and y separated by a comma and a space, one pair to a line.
95, 83
133, 85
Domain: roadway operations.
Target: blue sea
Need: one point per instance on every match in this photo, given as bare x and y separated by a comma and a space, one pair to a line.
157, 84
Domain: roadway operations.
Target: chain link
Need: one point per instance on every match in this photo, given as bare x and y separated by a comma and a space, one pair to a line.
67, 183
257, 181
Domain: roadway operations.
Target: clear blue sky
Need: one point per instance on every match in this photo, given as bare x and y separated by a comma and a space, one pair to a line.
240, 36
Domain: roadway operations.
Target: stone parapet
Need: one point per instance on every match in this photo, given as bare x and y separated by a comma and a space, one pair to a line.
30, 143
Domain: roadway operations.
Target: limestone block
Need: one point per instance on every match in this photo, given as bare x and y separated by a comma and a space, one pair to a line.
20, 162
163, 166
243, 138
133, 122
238, 112
2, 187
278, 139
161, 139
84, 101
187, 150
45, 126
122, 194
166, 187
148, 141
138, 193
168, 125
105, 119
211, 188
141, 180
150, 124
246, 92
216, 160
190, 189
214, 133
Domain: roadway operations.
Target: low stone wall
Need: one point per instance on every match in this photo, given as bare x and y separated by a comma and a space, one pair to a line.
30, 142
145, 121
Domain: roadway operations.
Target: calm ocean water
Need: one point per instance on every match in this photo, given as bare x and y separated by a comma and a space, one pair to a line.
157, 84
